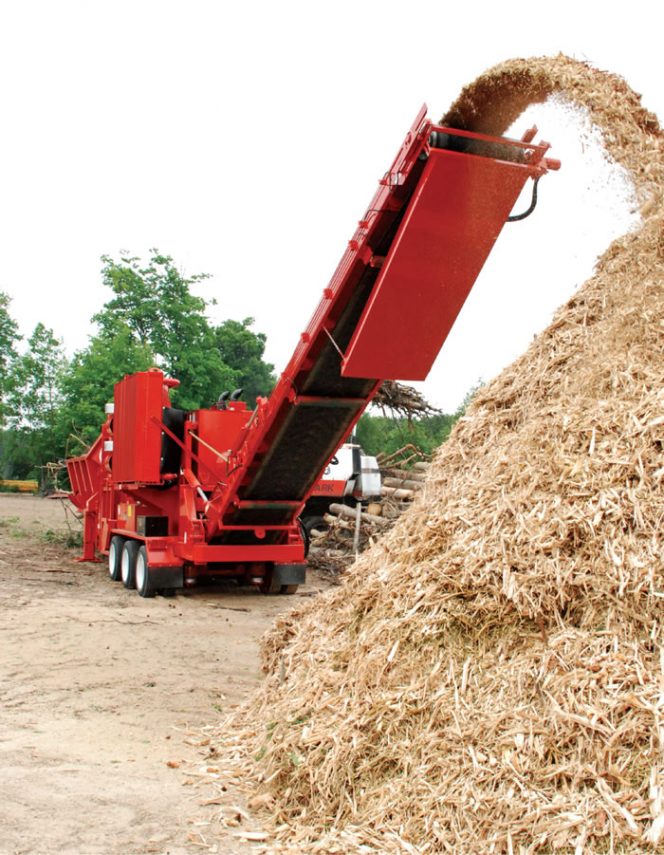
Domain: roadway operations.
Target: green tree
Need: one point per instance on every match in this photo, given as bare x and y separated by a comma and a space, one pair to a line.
387, 434
242, 350
9, 338
88, 384
55, 408
38, 373
33, 405
378, 434
154, 303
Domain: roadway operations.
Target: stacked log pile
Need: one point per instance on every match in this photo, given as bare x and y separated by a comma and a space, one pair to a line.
350, 529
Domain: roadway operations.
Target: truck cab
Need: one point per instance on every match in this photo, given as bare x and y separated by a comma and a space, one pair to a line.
351, 476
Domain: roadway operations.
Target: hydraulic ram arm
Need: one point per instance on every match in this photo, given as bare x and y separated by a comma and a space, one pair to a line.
384, 315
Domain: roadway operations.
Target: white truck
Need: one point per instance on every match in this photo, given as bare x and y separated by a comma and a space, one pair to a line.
351, 477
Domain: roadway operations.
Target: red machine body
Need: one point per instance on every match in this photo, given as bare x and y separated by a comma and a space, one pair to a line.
219, 491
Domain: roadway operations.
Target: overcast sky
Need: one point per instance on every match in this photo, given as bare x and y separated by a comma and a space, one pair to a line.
246, 140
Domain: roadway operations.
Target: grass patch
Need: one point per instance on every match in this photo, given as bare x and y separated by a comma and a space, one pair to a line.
70, 539
11, 526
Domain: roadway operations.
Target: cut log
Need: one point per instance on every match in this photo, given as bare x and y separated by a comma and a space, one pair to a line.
406, 483
412, 474
397, 493
401, 457
338, 522
349, 513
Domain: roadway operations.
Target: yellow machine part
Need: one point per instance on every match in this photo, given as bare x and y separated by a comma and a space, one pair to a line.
20, 486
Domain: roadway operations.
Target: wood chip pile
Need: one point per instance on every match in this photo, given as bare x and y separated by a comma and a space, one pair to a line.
490, 676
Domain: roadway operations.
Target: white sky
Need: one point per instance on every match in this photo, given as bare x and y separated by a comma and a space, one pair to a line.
246, 140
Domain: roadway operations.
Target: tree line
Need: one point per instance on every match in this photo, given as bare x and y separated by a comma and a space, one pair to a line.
52, 406
387, 434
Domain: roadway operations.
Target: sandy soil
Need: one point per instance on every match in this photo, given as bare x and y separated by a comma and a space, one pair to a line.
100, 690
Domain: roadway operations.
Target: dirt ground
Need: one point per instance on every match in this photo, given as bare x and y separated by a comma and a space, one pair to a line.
100, 690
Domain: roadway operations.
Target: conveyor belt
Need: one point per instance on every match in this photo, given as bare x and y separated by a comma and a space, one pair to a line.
311, 432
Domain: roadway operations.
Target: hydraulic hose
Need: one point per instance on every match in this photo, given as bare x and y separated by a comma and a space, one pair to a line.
533, 203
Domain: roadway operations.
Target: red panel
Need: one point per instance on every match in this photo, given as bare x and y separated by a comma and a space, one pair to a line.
202, 553
443, 241
219, 429
330, 488
136, 434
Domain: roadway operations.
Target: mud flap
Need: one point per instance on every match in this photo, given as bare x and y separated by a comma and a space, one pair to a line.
289, 574
167, 577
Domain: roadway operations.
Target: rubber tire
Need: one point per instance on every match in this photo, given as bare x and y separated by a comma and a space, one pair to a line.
317, 521
129, 551
311, 523
115, 557
142, 573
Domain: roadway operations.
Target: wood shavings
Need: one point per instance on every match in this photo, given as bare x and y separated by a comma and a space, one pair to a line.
488, 677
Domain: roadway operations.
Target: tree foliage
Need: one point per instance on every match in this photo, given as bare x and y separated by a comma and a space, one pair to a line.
38, 377
388, 434
154, 303
385, 434
242, 350
88, 384
34, 402
9, 338
55, 407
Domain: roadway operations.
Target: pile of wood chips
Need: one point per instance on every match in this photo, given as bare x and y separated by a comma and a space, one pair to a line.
490, 676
